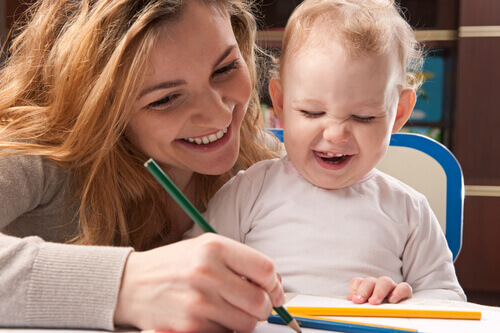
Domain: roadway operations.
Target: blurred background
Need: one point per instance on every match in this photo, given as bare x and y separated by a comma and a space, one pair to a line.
458, 106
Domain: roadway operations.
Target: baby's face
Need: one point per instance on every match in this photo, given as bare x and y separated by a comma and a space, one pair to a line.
338, 113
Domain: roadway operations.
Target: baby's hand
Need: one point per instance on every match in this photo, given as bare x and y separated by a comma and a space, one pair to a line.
376, 290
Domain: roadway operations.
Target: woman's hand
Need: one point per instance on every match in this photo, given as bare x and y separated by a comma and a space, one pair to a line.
376, 290
198, 285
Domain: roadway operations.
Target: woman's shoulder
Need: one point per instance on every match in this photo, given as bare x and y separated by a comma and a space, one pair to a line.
33, 174
32, 166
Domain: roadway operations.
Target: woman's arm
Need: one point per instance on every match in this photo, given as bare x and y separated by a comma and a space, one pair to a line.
57, 285
48, 284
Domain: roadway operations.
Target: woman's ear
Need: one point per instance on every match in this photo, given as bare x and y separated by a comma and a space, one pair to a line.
407, 100
276, 94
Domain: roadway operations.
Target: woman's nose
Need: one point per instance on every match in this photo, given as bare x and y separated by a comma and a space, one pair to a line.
212, 111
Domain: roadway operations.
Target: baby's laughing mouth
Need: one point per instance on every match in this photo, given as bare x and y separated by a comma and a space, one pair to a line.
204, 140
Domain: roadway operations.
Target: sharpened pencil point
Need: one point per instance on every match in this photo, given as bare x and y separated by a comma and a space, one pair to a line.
293, 324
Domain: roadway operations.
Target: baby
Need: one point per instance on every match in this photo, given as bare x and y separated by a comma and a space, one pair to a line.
331, 222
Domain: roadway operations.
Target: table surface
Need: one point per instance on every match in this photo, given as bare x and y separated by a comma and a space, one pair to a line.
490, 321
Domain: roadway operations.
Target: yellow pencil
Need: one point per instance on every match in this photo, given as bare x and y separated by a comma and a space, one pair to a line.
383, 312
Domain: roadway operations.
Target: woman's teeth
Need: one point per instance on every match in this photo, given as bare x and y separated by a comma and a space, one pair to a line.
208, 139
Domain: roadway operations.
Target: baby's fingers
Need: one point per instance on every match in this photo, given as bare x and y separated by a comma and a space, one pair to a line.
401, 292
353, 287
383, 287
364, 290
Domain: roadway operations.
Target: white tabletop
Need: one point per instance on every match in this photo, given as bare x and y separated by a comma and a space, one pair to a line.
490, 321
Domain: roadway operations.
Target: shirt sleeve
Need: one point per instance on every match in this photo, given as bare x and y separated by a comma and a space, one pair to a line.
229, 210
427, 260
58, 285
45, 284
226, 211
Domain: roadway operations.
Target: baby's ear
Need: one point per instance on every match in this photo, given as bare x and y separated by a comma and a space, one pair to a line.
276, 94
407, 100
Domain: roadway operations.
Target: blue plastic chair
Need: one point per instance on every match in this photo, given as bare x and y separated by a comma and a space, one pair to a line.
432, 169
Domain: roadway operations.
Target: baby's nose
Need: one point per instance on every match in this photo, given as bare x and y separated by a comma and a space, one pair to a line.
336, 133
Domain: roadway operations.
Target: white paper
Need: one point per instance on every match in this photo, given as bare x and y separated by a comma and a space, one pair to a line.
490, 321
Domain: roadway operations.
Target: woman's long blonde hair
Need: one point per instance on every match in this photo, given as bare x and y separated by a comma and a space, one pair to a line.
66, 92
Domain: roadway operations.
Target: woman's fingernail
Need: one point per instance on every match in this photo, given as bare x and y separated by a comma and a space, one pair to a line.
280, 300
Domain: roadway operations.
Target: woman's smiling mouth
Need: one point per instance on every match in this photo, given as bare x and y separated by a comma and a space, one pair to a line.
203, 140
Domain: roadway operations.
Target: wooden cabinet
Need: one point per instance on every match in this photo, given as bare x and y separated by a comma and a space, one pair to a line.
476, 139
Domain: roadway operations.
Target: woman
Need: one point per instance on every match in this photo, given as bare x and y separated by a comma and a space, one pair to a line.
90, 91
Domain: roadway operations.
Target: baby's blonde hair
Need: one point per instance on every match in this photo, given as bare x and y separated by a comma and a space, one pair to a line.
364, 27
66, 93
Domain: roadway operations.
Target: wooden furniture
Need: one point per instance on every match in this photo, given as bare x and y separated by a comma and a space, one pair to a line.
475, 143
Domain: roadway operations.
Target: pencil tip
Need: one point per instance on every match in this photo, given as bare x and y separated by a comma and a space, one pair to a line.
293, 324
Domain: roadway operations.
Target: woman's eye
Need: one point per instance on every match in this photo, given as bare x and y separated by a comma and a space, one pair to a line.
225, 70
363, 119
163, 102
309, 114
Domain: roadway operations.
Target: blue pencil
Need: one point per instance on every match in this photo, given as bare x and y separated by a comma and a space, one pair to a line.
340, 326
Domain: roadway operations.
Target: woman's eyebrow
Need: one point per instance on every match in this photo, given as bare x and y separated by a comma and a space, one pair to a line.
225, 54
162, 85
176, 83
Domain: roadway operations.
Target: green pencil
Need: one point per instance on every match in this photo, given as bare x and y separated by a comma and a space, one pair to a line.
195, 215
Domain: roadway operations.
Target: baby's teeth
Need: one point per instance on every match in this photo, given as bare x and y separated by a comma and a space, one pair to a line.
332, 155
220, 134
198, 141
190, 139
205, 140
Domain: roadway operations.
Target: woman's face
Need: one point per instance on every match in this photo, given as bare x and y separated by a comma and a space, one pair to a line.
191, 107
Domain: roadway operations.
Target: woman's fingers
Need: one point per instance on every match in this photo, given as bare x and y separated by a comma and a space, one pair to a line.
227, 271
198, 285
232, 317
254, 266
247, 296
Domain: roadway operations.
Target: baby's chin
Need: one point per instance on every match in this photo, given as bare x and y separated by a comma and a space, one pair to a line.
334, 184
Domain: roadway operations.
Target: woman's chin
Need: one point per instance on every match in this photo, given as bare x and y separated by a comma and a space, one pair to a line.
218, 166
